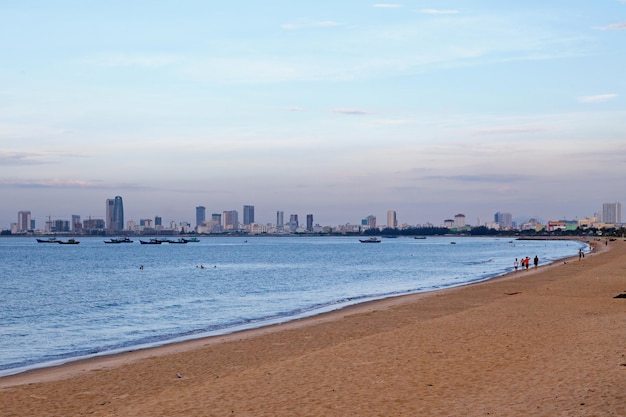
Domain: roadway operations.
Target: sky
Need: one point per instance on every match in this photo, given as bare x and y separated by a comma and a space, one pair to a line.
336, 109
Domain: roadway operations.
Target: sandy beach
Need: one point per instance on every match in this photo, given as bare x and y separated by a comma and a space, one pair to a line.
544, 342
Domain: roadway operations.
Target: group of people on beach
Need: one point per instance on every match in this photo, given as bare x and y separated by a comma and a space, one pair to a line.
525, 263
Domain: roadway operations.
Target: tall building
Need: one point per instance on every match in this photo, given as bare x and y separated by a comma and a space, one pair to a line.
371, 221
309, 222
76, 224
115, 214
612, 213
293, 222
280, 219
23, 221
459, 221
248, 215
158, 221
200, 215
392, 221
505, 220
231, 220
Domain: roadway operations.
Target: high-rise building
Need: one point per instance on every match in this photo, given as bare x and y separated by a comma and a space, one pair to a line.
115, 214
612, 213
76, 224
200, 215
459, 221
23, 221
371, 221
158, 221
248, 215
505, 220
392, 221
309, 222
293, 222
231, 220
280, 219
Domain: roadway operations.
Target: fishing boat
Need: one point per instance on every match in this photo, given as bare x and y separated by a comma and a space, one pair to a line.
49, 240
119, 240
151, 242
370, 240
68, 242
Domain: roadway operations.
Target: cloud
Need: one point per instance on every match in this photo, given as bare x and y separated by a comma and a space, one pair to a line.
296, 108
309, 25
65, 184
387, 5
21, 158
351, 111
439, 11
509, 130
599, 98
613, 26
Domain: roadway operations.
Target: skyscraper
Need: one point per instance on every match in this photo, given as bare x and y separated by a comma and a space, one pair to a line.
23, 221
200, 215
115, 214
392, 221
280, 219
293, 222
309, 222
231, 220
248, 215
612, 213
505, 220
459, 221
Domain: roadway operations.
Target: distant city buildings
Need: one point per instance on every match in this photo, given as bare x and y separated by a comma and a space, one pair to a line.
309, 222
231, 220
115, 214
200, 215
392, 221
504, 220
248, 215
23, 222
459, 221
612, 213
280, 219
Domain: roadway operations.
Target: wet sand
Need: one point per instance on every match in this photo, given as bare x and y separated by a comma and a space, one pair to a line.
547, 342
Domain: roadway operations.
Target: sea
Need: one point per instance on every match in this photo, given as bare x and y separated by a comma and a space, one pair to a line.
66, 302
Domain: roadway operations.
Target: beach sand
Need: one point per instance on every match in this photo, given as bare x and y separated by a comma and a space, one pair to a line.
547, 342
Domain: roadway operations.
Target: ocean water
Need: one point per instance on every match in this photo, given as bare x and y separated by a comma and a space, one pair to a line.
64, 302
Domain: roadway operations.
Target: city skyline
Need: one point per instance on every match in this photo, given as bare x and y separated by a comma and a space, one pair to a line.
337, 109
609, 212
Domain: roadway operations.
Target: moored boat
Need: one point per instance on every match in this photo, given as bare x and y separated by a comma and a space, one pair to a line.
68, 242
370, 240
49, 240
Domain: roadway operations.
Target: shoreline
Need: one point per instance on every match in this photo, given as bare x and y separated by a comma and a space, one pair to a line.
272, 322
549, 341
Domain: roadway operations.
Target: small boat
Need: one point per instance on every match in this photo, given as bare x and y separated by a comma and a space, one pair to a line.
453, 243
151, 242
119, 240
419, 237
68, 242
49, 240
192, 240
370, 240
183, 241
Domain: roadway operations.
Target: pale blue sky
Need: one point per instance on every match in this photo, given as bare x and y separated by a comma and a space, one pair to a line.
340, 109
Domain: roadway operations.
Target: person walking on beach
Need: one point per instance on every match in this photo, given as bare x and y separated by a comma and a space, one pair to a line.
516, 264
527, 262
536, 261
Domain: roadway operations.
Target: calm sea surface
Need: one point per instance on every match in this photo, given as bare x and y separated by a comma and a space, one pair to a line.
63, 302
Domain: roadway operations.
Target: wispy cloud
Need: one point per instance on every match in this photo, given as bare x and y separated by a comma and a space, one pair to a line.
613, 26
599, 98
387, 5
66, 184
439, 11
21, 158
310, 25
351, 111
509, 130
295, 108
